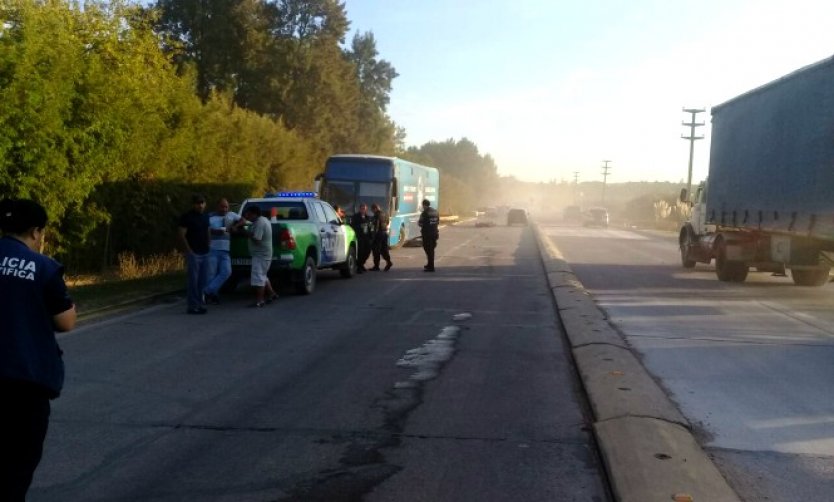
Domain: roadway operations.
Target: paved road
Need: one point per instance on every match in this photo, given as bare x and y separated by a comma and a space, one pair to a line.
375, 388
751, 365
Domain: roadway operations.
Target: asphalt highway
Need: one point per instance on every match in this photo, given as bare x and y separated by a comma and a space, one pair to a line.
749, 365
397, 386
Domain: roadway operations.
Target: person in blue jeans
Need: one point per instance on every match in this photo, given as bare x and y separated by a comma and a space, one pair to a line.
194, 239
220, 263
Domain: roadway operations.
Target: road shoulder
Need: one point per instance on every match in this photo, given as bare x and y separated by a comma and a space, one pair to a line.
646, 444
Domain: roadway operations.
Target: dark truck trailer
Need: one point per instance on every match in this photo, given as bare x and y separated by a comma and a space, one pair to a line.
768, 202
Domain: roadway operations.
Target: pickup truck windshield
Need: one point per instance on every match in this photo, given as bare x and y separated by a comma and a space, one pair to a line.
282, 210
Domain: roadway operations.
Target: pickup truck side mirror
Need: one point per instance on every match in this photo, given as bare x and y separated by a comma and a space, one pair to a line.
683, 196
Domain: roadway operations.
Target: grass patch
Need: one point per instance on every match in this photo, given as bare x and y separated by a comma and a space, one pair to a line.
133, 279
90, 295
131, 267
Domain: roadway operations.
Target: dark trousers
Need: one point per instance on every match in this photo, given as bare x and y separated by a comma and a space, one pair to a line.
364, 251
23, 424
380, 248
428, 246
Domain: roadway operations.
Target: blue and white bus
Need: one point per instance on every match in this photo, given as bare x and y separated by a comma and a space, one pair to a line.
398, 186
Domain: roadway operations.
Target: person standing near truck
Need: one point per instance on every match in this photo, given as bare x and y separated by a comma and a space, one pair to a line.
379, 234
220, 263
34, 303
194, 239
429, 231
361, 223
260, 250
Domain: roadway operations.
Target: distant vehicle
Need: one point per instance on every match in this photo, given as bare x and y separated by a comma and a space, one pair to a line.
596, 217
572, 214
517, 216
767, 202
398, 186
487, 217
307, 236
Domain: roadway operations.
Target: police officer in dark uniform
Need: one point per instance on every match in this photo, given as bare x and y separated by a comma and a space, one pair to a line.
429, 231
33, 305
361, 223
379, 235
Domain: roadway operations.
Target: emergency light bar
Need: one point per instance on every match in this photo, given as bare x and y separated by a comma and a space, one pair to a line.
291, 194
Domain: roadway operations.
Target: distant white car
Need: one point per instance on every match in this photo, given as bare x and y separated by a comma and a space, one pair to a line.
487, 217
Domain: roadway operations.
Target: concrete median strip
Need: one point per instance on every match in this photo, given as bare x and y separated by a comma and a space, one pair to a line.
646, 443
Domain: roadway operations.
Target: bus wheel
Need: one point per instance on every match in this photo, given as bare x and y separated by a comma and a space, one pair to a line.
402, 237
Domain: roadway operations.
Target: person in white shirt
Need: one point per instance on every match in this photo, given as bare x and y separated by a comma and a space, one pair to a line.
260, 249
220, 263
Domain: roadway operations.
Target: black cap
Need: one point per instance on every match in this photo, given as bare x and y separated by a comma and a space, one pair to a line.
426, 202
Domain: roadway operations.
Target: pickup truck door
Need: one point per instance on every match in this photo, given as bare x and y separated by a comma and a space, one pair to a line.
334, 231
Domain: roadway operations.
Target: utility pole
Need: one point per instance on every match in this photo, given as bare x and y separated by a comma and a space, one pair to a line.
576, 188
692, 138
605, 169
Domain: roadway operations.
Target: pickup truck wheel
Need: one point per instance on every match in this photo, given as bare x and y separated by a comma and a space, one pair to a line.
348, 270
686, 251
810, 277
306, 282
728, 270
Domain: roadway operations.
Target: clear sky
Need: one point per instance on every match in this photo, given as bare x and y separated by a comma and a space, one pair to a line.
549, 87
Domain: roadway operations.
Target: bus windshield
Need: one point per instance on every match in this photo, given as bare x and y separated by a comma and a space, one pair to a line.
371, 192
341, 193
349, 194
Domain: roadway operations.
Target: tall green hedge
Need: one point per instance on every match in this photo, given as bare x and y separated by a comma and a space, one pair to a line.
141, 218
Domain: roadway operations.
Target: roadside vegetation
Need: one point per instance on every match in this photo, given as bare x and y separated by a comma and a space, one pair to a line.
112, 113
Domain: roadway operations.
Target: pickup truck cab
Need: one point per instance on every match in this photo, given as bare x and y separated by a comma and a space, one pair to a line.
307, 236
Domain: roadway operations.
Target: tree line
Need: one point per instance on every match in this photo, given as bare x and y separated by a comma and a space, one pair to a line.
112, 112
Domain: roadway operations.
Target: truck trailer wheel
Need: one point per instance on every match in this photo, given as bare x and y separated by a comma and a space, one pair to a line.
686, 250
727, 270
306, 280
810, 277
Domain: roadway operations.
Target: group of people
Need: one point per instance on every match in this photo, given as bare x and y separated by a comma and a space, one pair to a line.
372, 236
205, 240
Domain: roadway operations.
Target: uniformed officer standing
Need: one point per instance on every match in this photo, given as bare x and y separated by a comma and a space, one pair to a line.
380, 237
361, 223
429, 231
33, 305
